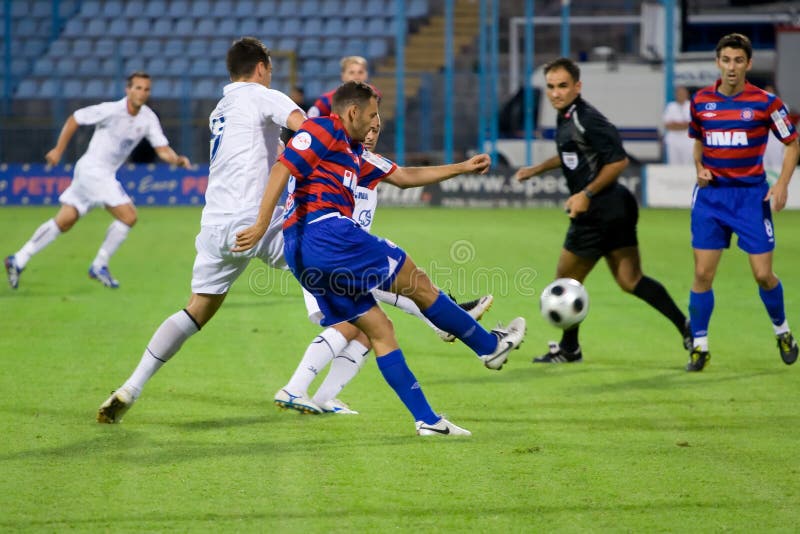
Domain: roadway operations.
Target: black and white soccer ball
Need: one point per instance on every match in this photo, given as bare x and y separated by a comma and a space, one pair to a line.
564, 303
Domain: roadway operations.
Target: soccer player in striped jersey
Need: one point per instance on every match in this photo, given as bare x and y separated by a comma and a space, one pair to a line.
119, 126
343, 345
245, 127
731, 122
354, 69
340, 263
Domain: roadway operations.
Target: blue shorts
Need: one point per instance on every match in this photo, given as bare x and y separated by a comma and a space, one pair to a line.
719, 211
339, 263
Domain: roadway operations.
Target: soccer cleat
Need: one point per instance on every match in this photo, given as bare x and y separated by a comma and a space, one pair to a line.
556, 354
475, 308
112, 410
103, 275
688, 337
508, 339
286, 400
338, 407
442, 427
12, 271
787, 345
698, 359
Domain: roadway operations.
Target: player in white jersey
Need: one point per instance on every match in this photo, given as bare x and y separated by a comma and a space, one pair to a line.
344, 346
119, 126
245, 128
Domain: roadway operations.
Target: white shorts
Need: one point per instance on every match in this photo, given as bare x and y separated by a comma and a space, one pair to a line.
92, 188
216, 268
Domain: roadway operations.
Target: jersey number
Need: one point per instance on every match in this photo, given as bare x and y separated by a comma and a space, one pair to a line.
217, 127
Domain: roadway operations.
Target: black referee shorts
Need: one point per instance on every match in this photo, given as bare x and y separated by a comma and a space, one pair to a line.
596, 236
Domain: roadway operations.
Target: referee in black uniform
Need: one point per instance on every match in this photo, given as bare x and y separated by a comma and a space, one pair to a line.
603, 213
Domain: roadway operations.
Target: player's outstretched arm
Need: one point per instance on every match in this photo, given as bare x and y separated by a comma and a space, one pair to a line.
170, 156
249, 237
68, 130
547, 165
406, 177
779, 192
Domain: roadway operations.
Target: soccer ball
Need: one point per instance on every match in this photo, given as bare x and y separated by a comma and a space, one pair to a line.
564, 303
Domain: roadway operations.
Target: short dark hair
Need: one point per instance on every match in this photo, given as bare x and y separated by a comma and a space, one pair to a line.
352, 93
567, 64
136, 74
243, 56
737, 41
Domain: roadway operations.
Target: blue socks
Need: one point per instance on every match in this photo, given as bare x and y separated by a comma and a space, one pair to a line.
448, 316
404, 383
700, 307
773, 302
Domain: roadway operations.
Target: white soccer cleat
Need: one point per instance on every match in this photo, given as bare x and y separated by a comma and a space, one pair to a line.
442, 427
12, 271
112, 410
475, 308
508, 339
287, 401
338, 407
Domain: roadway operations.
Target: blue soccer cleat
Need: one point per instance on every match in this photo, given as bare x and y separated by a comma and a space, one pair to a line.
103, 275
12, 271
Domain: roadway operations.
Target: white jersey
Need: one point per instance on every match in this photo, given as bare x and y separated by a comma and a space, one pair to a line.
245, 133
117, 133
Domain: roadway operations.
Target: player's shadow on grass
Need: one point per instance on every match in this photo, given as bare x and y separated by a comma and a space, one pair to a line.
677, 378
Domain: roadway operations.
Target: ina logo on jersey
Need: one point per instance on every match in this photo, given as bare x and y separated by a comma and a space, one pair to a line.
726, 138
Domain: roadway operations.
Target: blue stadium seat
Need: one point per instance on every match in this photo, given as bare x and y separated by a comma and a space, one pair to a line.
354, 47
227, 27
105, 47
330, 8
202, 67
333, 27
292, 27
59, 48
89, 66
158, 66
288, 44
248, 27
174, 47
33, 48
222, 8
197, 47
133, 64
200, 9
270, 29
352, 8
162, 28
73, 88
246, 9
134, 9
184, 27
179, 9
41, 9
286, 9
154, 9
112, 9
49, 88
218, 47
23, 28
66, 66
82, 47
75, 27
151, 48
310, 47
112, 66
314, 88
163, 88
96, 28
377, 48
312, 27
96, 88
44, 66
28, 88
206, 89
376, 27
178, 66
207, 27
67, 8
129, 47
355, 26
309, 9
19, 9
332, 67
139, 27
332, 48
418, 8
378, 8
311, 68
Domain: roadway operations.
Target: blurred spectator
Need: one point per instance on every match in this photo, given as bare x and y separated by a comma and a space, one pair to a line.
677, 142
298, 96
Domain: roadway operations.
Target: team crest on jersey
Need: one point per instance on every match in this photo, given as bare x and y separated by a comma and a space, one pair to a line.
570, 159
747, 114
301, 141
711, 106
735, 138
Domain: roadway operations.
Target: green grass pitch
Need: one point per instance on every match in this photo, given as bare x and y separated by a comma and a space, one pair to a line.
625, 441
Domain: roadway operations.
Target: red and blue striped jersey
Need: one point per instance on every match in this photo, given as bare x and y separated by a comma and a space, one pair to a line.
323, 105
374, 168
325, 164
734, 131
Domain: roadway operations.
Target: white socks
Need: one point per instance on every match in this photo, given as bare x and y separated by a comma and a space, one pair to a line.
404, 303
115, 235
321, 351
43, 236
344, 367
781, 328
167, 340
